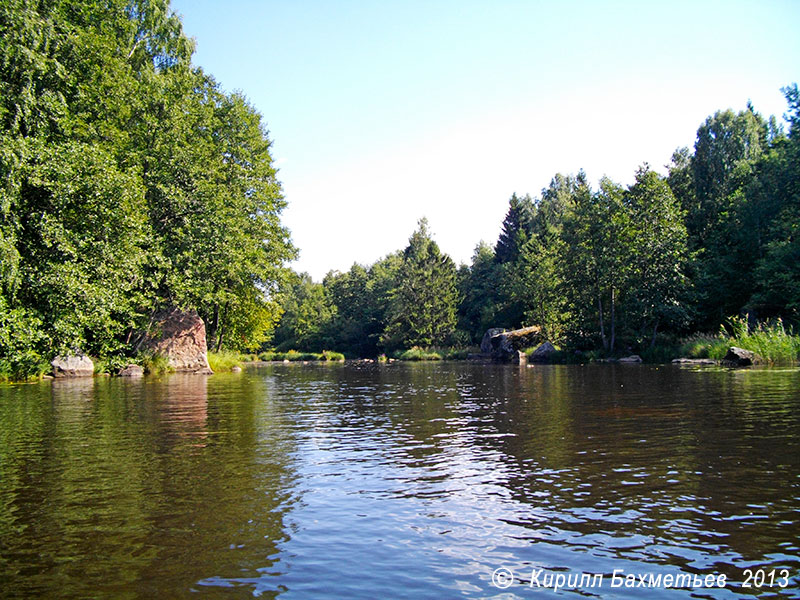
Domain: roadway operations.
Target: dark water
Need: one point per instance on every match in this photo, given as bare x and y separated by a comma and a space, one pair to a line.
401, 481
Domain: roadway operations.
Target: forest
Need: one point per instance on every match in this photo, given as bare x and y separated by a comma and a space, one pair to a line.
609, 270
131, 182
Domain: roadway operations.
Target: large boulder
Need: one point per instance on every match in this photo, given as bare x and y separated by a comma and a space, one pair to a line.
180, 335
739, 357
486, 341
506, 345
72, 366
543, 353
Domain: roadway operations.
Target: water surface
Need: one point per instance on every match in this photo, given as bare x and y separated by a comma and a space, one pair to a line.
399, 481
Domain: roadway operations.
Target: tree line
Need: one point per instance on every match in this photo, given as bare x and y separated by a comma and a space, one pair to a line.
129, 181
617, 268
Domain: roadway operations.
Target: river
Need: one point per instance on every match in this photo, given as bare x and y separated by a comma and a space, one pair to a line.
438, 480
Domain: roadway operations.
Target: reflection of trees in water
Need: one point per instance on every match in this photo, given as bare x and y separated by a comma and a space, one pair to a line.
650, 461
656, 462
141, 488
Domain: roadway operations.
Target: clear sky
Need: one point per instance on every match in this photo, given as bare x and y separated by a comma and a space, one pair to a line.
382, 111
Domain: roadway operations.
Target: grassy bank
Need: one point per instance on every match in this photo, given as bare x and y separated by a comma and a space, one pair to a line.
436, 353
773, 342
295, 356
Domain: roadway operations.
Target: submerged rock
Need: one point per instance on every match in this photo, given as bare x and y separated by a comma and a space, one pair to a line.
633, 358
131, 371
693, 361
72, 366
180, 335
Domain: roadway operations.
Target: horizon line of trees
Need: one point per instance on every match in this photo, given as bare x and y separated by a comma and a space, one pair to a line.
614, 268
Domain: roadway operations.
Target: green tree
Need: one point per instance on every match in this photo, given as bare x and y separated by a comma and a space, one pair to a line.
658, 254
515, 230
478, 290
307, 315
424, 302
777, 198
597, 235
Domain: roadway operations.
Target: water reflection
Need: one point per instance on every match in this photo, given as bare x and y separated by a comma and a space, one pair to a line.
361, 481
140, 489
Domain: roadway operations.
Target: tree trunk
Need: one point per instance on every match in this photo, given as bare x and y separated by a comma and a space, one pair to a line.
653, 339
602, 325
221, 330
613, 322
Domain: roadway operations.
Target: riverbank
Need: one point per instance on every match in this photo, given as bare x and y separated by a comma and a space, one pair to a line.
771, 344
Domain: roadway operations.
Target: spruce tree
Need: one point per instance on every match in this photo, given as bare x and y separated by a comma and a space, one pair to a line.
425, 300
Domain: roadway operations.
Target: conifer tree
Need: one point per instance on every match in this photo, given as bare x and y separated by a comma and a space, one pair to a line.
424, 303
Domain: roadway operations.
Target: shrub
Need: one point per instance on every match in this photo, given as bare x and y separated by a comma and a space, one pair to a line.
456, 353
22, 341
328, 355
23, 366
417, 353
223, 360
704, 345
154, 363
112, 364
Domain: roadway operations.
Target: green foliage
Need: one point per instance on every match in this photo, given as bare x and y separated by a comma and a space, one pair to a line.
128, 181
111, 364
154, 363
307, 315
295, 356
22, 344
771, 341
423, 306
418, 354
658, 238
477, 287
702, 345
515, 230
224, 360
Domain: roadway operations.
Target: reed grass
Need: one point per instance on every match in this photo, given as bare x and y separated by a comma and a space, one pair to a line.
224, 360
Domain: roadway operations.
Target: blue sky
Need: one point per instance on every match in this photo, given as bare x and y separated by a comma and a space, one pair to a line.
382, 112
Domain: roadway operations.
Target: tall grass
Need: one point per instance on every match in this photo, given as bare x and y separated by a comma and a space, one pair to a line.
772, 341
295, 356
417, 353
25, 366
224, 360
704, 345
154, 363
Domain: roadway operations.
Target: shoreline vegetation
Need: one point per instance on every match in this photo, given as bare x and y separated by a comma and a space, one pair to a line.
163, 196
